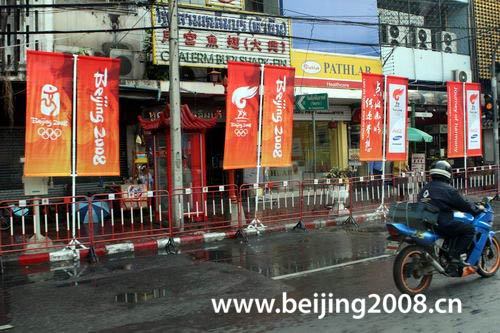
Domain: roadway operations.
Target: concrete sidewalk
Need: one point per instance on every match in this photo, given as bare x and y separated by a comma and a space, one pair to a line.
372, 222
156, 245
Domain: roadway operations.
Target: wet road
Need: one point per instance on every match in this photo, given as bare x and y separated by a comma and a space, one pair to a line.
174, 292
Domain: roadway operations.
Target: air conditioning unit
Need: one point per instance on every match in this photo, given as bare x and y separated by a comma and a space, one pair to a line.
70, 49
462, 76
421, 38
447, 41
396, 35
132, 66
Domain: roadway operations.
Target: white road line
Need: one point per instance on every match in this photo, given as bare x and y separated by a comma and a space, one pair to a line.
292, 275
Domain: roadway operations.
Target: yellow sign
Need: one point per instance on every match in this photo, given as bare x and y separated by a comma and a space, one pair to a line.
318, 69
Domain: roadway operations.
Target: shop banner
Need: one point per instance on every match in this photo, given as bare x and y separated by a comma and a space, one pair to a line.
474, 131
49, 90
242, 115
277, 120
372, 117
98, 128
455, 119
397, 118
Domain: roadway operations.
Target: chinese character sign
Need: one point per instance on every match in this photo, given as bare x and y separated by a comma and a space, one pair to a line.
474, 132
397, 118
214, 38
372, 117
277, 122
242, 116
455, 120
98, 129
48, 114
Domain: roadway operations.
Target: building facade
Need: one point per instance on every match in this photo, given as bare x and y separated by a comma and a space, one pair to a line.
486, 38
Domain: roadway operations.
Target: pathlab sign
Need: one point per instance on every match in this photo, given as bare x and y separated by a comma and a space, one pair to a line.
326, 70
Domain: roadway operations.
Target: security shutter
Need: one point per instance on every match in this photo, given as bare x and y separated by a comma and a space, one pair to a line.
11, 150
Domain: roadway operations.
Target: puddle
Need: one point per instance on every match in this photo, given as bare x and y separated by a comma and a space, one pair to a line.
218, 255
141, 297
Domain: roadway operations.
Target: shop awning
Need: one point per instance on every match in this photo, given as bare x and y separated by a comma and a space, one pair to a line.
189, 121
416, 135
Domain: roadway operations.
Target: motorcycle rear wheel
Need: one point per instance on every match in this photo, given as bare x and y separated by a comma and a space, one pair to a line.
493, 256
409, 263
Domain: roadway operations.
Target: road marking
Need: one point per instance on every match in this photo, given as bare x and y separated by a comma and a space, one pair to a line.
292, 275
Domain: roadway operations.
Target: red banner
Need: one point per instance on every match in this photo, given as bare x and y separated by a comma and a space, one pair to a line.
397, 119
473, 116
372, 117
277, 120
455, 120
98, 130
242, 115
49, 92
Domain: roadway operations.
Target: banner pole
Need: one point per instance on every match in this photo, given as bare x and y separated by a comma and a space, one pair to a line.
73, 152
256, 223
381, 208
464, 99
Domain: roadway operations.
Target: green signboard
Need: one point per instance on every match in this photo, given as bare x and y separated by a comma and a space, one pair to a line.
313, 102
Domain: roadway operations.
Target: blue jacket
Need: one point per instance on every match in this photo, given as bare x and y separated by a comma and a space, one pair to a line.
447, 198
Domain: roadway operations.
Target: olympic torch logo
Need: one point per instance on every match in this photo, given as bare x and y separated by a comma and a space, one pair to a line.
239, 98
50, 101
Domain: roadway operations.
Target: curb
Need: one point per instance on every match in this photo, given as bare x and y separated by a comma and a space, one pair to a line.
154, 245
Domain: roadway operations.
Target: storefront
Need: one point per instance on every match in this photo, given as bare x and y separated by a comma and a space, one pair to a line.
337, 129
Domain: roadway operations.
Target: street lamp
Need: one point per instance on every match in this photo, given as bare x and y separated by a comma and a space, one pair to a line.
495, 113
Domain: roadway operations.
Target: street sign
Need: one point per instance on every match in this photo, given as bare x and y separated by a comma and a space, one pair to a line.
423, 114
313, 102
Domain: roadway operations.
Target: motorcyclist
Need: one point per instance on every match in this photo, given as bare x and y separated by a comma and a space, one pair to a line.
442, 195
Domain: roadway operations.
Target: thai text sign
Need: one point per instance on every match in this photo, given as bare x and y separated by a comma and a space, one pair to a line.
213, 38
236, 4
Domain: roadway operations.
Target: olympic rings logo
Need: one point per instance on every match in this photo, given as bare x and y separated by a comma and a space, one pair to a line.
241, 132
49, 133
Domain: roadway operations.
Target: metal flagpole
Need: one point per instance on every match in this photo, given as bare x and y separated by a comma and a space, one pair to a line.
74, 242
464, 99
256, 223
381, 208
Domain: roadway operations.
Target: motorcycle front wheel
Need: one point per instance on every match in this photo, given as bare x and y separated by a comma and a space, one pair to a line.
490, 259
410, 273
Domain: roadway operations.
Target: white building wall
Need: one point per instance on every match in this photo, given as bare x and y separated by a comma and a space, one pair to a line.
423, 65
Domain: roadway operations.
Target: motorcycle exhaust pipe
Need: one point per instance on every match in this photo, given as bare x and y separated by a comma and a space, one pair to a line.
434, 263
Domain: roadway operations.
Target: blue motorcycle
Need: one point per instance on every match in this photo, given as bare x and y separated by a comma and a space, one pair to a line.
422, 252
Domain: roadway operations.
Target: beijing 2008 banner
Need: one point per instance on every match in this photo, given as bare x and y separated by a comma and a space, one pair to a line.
372, 117
98, 116
48, 114
473, 117
455, 119
397, 118
277, 120
242, 116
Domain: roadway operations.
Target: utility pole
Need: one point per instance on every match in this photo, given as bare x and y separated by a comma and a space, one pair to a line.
494, 93
175, 116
